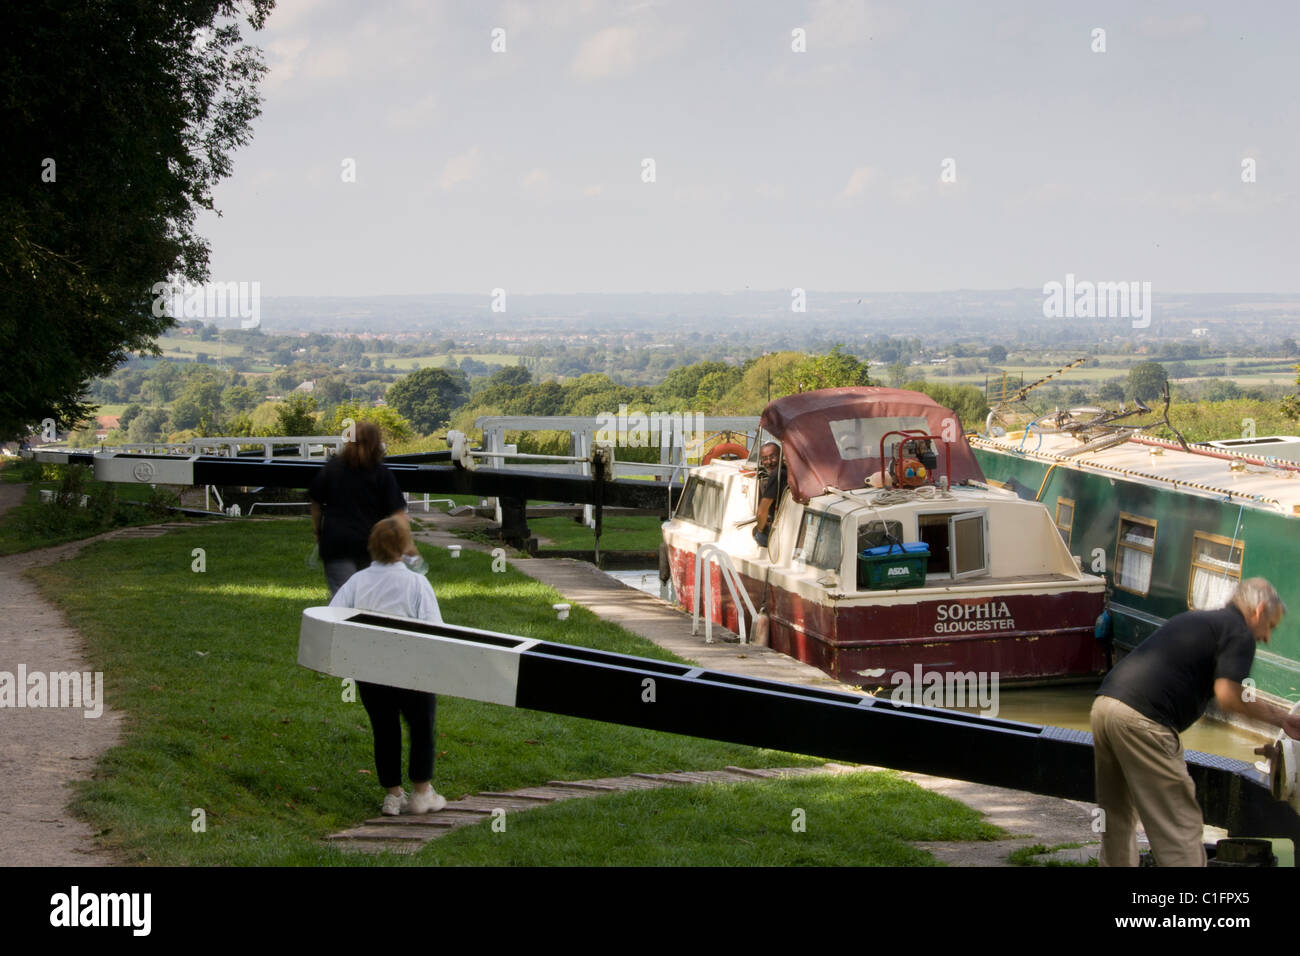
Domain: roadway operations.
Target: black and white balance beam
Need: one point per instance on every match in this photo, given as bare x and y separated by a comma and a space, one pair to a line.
640, 692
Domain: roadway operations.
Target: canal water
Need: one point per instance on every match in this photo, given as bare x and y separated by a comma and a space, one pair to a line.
1062, 706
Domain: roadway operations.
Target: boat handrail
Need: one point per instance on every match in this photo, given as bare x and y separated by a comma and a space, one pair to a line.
713, 552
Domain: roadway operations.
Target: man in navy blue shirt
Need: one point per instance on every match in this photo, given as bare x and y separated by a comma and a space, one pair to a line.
1155, 693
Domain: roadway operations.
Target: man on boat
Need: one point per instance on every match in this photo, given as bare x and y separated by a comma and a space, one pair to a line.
772, 477
1155, 693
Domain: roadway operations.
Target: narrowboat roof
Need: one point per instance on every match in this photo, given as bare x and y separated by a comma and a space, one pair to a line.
1203, 471
831, 438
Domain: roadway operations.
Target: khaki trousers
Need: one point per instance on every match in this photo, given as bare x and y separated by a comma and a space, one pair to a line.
1141, 773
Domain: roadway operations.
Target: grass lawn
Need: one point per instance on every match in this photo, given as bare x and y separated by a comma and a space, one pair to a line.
221, 718
618, 533
862, 820
31, 524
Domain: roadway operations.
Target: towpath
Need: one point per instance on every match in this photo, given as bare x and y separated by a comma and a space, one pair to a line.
44, 750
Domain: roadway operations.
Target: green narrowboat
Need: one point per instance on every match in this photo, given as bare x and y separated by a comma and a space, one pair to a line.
1170, 530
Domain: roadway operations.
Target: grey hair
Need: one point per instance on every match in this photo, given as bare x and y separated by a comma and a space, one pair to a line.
1254, 592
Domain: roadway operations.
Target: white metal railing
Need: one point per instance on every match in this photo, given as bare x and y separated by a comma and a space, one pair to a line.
712, 552
428, 501
309, 446
276, 504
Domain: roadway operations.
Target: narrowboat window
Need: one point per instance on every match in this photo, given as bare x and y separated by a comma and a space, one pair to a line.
1216, 570
1134, 553
1065, 518
819, 539
701, 503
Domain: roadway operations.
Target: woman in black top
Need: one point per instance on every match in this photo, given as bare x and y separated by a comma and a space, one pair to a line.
348, 496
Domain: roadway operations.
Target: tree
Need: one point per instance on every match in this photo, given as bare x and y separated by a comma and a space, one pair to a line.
297, 415
148, 425
128, 415
832, 370
1291, 404
1146, 380
511, 375
997, 354
429, 397
395, 428
1222, 390
1111, 393
241, 398
118, 119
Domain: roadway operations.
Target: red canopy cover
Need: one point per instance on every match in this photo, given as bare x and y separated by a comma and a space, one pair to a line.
831, 438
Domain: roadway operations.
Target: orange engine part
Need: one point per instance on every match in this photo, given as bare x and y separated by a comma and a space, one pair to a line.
909, 473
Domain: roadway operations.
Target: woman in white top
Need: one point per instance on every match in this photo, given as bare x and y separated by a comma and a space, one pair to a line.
388, 587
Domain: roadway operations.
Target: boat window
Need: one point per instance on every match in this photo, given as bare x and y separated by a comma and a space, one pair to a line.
858, 438
819, 540
872, 534
1065, 518
1134, 553
701, 503
969, 554
1216, 570
958, 543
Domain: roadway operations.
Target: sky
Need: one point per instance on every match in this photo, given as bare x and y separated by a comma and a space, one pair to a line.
920, 146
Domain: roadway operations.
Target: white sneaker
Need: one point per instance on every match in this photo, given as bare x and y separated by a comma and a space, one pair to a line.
395, 804
430, 801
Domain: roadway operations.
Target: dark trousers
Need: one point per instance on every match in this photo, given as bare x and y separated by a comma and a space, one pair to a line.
386, 707
338, 570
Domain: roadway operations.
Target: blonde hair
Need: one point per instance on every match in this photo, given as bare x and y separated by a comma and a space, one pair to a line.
389, 540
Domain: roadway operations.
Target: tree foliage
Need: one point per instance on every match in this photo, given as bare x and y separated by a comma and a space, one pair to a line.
835, 369
1146, 381
297, 416
966, 400
395, 428
118, 119
1291, 404
428, 398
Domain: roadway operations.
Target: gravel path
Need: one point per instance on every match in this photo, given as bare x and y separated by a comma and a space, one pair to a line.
43, 750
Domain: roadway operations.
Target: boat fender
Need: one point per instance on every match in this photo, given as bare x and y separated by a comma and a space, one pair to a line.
760, 634
1105, 627
665, 569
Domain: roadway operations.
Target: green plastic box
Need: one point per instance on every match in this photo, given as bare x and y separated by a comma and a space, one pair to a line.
893, 566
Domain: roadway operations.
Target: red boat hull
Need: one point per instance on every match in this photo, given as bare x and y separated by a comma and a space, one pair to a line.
1021, 636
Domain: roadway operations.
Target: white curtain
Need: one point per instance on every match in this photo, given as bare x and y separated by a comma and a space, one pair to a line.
1135, 570
1210, 590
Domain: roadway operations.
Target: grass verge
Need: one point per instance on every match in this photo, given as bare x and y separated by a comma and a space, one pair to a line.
863, 819
222, 719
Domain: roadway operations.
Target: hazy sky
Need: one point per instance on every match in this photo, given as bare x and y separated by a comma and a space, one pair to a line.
773, 168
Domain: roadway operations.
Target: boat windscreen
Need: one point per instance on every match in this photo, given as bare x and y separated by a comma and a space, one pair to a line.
859, 438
